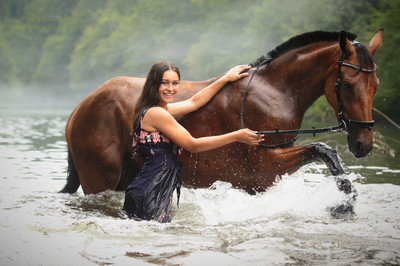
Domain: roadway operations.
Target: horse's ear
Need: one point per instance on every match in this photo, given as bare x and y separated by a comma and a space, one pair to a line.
376, 41
345, 44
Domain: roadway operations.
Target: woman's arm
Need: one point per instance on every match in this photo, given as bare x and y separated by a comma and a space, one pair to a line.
203, 96
158, 118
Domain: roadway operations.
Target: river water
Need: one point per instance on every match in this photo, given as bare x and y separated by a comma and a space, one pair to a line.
288, 224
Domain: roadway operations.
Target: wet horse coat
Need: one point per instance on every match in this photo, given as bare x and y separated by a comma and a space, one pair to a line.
99, 131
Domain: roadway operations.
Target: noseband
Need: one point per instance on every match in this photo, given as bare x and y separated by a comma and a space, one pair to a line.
343, 122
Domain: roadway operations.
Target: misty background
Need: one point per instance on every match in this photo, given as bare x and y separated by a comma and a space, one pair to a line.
55, 52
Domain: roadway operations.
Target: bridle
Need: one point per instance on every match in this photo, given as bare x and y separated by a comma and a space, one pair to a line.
342, 119
341, 127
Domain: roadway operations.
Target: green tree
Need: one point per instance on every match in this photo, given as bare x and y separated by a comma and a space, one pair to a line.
387, 57
58, 48
74, 46
7, 67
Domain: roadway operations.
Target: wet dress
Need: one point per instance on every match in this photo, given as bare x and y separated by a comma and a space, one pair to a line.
149, 196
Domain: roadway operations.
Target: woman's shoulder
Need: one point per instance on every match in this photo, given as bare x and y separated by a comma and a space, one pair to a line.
155, 117
157, 111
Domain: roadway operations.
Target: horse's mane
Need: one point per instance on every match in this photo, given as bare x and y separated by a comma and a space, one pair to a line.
299, 41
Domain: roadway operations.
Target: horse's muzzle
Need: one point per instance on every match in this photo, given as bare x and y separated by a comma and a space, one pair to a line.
360, 148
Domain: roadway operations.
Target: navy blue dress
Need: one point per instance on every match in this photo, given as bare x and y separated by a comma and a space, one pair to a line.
149, 196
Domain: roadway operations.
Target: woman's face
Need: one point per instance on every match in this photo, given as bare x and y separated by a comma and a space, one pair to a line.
169, 87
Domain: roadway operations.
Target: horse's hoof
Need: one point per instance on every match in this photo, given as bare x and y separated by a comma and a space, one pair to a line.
342, 211
123, 215
345, 185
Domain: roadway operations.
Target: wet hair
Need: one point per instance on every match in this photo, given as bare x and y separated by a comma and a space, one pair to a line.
150, 95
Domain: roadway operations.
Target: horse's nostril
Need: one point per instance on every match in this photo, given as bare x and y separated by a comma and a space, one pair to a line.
360, 146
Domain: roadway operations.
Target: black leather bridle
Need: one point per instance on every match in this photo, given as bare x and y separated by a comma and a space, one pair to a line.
341, 127
342, 119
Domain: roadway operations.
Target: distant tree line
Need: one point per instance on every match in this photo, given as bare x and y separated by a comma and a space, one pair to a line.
68, 48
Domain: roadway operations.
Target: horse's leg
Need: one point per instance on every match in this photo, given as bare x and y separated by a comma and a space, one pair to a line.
322, 152
291, 159
99, 171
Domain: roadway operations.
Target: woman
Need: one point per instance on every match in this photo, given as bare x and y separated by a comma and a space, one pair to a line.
158, 135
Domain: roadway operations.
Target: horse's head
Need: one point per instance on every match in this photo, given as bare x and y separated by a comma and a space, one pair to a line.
356, 86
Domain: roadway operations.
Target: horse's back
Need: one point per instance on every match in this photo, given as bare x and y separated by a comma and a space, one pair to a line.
120, 92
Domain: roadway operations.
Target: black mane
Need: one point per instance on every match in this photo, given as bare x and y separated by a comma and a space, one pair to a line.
299, 41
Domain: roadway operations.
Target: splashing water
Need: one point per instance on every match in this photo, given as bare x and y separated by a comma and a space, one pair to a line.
220, 225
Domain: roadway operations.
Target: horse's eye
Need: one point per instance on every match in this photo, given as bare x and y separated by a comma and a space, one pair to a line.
347, 85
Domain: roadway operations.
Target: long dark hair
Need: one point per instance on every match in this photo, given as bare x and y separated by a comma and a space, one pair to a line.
150, 96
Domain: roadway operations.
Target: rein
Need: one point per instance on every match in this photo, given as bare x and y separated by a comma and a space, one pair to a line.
341, 127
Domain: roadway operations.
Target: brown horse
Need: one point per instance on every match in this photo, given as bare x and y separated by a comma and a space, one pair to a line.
297, 73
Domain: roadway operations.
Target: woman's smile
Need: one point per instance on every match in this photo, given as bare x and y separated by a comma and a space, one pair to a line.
169, 87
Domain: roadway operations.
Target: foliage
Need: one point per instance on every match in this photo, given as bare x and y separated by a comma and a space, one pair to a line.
388, 96
70, 47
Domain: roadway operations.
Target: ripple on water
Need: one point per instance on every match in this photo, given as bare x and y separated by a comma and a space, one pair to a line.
287, 224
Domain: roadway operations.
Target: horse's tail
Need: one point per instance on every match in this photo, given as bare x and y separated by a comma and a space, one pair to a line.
72, 177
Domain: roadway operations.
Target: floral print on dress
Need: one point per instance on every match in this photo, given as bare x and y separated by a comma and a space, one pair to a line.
142, 137
148, 137
164, 139
156, 137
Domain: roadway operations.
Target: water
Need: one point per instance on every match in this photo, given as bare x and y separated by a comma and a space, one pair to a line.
288, 224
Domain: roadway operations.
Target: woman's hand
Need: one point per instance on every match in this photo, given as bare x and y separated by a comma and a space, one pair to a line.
202, 97
249, 137
236, 73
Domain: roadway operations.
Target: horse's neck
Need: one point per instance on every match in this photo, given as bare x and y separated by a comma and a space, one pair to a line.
189, 88
303, 73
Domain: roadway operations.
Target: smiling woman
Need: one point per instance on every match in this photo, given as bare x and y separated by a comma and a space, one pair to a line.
169, 87
157, 137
